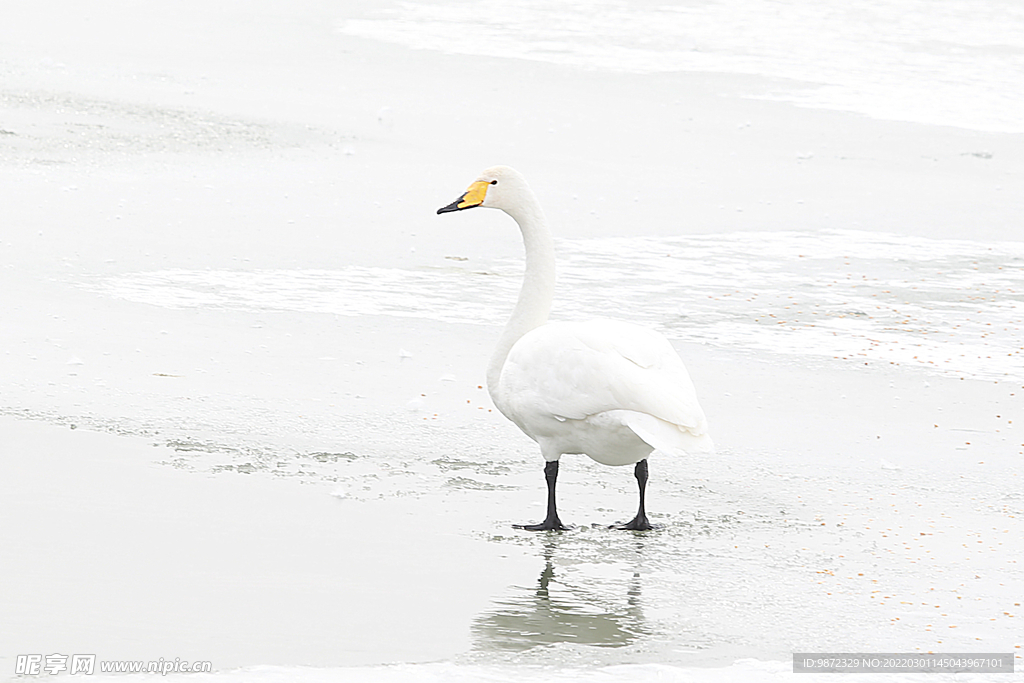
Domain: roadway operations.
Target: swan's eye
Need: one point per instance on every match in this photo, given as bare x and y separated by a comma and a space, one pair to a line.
494, 182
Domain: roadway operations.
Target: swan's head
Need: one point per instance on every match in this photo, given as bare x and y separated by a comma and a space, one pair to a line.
498, 187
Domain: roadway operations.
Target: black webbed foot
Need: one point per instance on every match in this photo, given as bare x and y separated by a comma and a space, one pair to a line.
546, 525
638, 523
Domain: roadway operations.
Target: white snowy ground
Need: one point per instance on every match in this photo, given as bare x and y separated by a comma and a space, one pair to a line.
240, 361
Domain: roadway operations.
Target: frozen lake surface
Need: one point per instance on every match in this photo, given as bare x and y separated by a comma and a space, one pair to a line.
946, 306
952, 62
233, 325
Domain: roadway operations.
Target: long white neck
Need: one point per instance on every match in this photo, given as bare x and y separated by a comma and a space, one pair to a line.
538, 288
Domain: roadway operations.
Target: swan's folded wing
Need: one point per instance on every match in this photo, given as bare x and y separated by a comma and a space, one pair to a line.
667, 437
574, 370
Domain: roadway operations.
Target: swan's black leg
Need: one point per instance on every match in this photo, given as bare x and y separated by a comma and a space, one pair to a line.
551, 522
640, 522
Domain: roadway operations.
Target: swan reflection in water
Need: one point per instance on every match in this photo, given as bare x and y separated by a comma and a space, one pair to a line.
558, 612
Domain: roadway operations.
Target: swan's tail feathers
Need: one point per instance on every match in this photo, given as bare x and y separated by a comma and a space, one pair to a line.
668, 437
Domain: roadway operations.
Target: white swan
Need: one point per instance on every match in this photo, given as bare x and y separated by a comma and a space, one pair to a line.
612, 390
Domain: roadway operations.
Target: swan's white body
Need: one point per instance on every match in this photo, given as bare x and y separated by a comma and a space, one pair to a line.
612, 390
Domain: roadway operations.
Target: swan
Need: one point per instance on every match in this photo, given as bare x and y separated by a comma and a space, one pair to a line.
612, 390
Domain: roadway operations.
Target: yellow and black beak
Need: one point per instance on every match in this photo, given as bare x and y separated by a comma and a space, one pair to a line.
474, 196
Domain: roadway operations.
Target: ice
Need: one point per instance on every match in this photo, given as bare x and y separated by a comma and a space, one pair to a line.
892, 59
242, 470
942, 306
